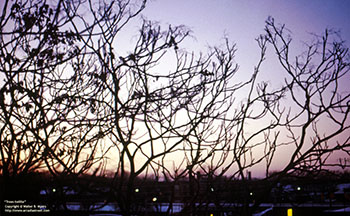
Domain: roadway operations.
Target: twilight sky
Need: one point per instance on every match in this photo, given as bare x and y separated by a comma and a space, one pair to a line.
243, 20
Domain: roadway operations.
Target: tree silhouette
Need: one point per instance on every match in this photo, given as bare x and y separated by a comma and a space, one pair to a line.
74, 97
306, 116
150, 112
44, 123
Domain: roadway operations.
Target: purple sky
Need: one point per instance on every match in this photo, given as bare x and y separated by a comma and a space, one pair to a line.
243, 20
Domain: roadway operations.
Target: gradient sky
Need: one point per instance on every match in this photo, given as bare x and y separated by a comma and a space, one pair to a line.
243, 20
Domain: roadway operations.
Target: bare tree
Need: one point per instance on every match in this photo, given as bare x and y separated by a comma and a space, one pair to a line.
318, 121
44, 122
307, 116
305, 119
74, 95
153, 112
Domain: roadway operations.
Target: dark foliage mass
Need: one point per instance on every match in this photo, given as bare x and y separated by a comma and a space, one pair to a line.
77, 100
